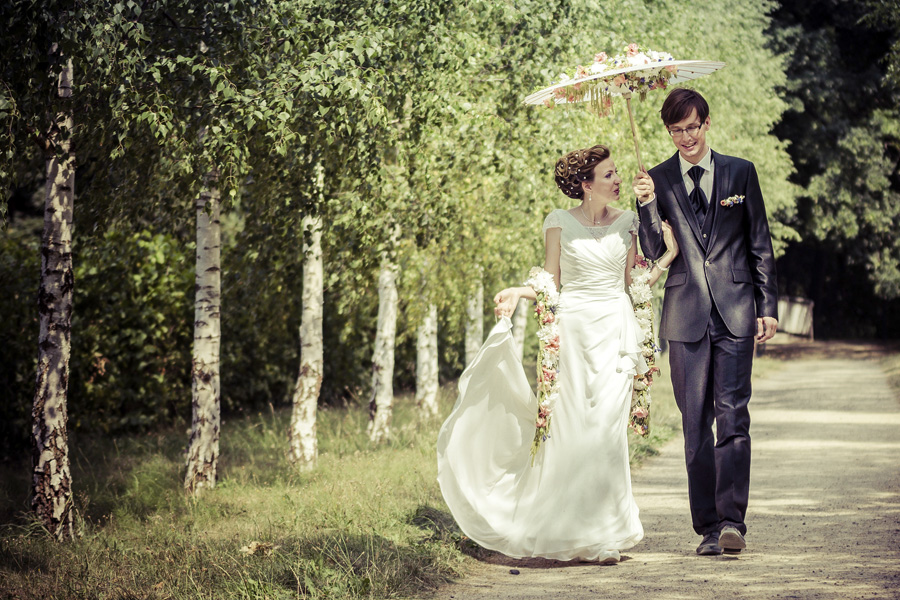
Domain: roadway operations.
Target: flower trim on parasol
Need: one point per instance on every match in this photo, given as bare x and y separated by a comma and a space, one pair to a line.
546, 307
641, 299
586, 82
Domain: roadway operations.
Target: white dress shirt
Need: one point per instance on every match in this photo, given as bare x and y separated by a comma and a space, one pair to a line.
706, 181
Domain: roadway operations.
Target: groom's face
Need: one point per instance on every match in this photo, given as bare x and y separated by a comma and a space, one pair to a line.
689, 136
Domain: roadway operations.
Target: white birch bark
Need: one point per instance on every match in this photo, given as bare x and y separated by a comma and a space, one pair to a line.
382, 402
475, 320
303, 441
203, 452
51, 488
427, 364
519, 321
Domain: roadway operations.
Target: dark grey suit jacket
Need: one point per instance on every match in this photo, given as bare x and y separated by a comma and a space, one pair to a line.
729, 263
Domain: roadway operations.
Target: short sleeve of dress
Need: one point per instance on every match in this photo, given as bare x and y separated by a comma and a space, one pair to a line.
635, 224
628, 228
552, 221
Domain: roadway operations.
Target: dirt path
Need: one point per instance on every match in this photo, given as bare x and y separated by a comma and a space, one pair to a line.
824, 516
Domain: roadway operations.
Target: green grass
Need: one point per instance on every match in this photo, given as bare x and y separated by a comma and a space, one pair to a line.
368, 522
352, 528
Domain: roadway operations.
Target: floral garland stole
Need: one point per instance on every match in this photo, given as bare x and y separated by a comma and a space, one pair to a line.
641, 299
545, 308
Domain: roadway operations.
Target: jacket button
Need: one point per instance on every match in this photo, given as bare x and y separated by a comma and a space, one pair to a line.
704, 236
708, 263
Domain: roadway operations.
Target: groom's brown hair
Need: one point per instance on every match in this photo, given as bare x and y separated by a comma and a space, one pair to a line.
679, 104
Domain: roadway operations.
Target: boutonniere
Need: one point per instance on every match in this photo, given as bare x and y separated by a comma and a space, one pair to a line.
732, 200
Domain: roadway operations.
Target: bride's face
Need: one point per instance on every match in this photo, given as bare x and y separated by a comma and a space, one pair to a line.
606, 182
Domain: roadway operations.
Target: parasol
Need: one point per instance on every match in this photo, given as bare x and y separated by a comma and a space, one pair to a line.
637, 72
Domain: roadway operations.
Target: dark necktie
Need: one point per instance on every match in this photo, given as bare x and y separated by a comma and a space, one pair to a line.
697, 197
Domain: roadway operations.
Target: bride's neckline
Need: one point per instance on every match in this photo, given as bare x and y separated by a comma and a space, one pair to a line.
611, 223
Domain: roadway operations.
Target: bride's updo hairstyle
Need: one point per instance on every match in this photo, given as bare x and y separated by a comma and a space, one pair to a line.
578, 166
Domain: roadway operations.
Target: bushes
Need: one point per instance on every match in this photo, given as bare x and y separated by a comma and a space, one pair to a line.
20, 265
131, 333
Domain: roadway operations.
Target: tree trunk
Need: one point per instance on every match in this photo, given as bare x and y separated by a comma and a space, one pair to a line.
520, 321
51, 488
427, 365
203, 453
303, 442
381, 404
475, 320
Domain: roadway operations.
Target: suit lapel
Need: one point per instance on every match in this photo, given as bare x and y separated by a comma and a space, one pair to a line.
721, 185
676, 181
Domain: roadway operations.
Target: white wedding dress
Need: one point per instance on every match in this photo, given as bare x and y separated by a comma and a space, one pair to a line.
576, 501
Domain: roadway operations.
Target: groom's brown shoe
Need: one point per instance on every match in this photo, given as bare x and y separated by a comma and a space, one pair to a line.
731, 540
710, 545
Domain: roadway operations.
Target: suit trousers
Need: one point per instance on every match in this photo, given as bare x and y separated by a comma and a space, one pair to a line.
711, 382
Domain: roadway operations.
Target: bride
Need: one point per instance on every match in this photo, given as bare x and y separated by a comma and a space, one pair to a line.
576, 501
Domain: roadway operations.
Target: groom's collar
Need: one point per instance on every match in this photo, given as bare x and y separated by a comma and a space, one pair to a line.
704, 162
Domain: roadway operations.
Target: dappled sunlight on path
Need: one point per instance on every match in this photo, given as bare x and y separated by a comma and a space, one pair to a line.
824, 516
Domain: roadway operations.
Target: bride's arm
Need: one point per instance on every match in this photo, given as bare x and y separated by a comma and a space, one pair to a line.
660, 266
552, 252
666, 260
506, 300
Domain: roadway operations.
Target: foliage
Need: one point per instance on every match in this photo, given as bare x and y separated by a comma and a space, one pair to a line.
845, 142
20, 267
260, 314
415, 122
130, 357
131, 348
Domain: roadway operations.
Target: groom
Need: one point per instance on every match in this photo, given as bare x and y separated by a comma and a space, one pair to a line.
721, 293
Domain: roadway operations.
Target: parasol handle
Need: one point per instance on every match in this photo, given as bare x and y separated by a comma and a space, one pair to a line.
634, 135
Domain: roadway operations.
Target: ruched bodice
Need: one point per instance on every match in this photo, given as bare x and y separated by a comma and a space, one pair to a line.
592, 260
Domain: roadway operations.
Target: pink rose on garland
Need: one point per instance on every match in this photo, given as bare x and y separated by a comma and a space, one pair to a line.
632, 50
600, 57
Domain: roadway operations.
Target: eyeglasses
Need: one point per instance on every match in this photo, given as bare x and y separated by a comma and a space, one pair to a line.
691, 131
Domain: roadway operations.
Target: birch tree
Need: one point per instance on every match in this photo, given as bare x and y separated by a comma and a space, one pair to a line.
303, 441
203, 451
427, 364
520, 321
475, 317
208, 91
382, 401
52, 482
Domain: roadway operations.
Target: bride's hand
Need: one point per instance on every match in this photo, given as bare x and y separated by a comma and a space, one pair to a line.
669, 239
506, 301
